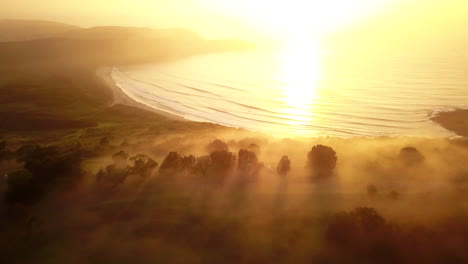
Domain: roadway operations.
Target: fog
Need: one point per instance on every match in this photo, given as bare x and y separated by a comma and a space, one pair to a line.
230, 199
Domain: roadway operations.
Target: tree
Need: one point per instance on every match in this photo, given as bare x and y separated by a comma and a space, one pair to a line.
284, 166
188, 162
248, 164
372, 190
349, 229
321, 160
20, 188
120, 156
45, 169
411, 156
172, 161
143, 165
222, 161
217, 145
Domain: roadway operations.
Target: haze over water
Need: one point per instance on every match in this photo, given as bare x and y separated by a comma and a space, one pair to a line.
306, 90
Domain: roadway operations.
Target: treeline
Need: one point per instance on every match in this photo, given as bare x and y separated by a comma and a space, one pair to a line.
46, 167
214, 168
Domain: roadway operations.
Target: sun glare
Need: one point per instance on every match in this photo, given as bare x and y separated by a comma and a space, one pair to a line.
286, 18
300, 25
300, 60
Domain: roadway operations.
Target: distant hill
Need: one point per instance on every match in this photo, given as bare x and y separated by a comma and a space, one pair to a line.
19, 30
128, 33
112, 46
50, 82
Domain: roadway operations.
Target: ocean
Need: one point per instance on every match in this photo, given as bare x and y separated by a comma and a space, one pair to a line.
294, 93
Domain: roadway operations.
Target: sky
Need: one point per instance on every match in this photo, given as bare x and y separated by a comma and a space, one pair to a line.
245, 19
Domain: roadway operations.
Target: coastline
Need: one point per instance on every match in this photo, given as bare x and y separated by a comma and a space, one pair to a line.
455, 121
120, 97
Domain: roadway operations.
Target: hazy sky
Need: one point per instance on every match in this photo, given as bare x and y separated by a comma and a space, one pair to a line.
234, 18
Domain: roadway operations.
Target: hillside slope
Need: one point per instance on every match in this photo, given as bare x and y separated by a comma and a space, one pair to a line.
19, 30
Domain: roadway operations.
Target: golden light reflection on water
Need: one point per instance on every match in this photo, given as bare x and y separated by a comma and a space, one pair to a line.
301, 69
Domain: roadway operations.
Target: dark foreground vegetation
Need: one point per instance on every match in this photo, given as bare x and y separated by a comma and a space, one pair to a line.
116, 201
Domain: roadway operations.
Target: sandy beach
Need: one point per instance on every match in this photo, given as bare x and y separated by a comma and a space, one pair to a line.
120, 97
456, 121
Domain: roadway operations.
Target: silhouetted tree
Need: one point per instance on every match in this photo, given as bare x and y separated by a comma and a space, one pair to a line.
46, 168
348, 228
20, 188
284, 166
222, 160
248, 164
120, 157
143, 165
172, 161
115, 175
202, 165
372, 190
188, 162
321, 160
49, 164
217, 145
363, 236
411, 156
254, 148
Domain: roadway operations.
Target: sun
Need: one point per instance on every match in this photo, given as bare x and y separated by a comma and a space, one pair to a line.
285, 18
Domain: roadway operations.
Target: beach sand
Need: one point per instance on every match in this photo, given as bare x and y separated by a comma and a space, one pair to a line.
456, 121
120, 97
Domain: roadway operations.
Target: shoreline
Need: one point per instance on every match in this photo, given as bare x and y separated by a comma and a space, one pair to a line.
455, 120
121, 98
